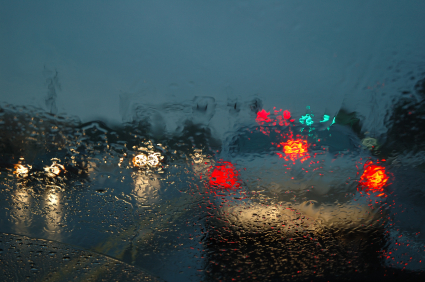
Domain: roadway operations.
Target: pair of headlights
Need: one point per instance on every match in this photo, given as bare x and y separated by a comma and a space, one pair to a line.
53, 170
140, 161
143, 160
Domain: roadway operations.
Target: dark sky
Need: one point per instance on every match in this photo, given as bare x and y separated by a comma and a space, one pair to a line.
288, 53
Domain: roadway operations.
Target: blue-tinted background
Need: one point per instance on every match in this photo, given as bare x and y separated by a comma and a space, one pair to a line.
111, 54
214, 63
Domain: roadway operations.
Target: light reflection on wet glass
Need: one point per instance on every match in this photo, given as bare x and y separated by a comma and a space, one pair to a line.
21, 212
279, 186
273, 150
53, 211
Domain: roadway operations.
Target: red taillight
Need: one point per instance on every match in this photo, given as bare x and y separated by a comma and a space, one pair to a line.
286, 114
373, 179
294, 149
224, 177
262, 117
297, 146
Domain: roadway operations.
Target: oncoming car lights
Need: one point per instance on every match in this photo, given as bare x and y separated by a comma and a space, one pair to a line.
146, 156
55, 169
22, 171
142, 160
52, 171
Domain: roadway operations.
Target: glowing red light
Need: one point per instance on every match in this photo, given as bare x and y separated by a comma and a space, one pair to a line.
373, 179
295, 148
224, 177
286, 115
263, 116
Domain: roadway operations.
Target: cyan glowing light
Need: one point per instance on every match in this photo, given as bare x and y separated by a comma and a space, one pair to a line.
325, 118
307, 119
333, 121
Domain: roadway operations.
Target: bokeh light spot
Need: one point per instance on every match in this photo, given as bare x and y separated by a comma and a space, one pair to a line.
373, 179
294, 149
325, 118
224, 177
140, 160
263, 116
286, 115
21, 170
307, 119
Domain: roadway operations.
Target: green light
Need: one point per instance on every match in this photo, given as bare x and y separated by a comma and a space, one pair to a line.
325, 118
333, 121
307, 120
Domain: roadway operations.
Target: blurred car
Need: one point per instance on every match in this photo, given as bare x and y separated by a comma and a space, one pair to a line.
327, 176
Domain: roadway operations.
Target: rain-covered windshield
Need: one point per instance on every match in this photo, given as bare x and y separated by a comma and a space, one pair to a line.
196, 141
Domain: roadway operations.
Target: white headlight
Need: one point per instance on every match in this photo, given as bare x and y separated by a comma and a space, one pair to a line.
21, 170
140, 160
154, 159
54, 170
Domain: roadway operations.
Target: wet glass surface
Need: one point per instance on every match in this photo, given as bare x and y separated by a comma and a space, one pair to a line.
277, 198
313, 170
